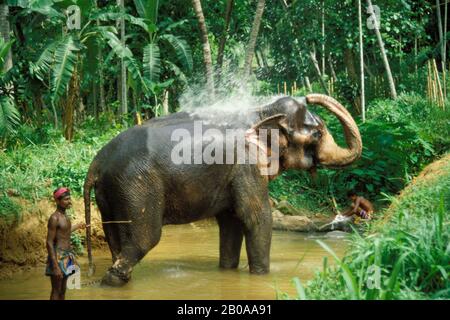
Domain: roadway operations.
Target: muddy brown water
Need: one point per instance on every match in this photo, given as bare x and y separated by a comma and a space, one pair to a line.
184, 265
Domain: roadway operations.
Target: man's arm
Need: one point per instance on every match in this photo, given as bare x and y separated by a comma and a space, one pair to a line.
51, 238
357, 204
78, 226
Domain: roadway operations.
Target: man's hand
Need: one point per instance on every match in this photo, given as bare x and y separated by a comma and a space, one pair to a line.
80, 225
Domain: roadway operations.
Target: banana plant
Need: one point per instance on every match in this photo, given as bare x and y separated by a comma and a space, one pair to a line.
9, 115
158, 37
64, 57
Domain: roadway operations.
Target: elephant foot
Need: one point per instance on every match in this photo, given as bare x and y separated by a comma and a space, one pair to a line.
228, 265
113, 278
259, 270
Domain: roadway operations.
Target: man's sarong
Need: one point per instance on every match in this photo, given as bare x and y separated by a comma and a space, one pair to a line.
66, 262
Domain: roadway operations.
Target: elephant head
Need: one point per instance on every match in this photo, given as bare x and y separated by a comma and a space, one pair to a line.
304, 140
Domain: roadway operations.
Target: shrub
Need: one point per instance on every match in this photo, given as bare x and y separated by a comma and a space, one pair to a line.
411, 249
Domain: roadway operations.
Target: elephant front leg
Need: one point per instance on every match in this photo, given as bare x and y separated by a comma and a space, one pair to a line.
231, 236
252, 207
257, 242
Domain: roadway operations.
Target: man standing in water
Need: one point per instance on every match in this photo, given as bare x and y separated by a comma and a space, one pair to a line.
61, 258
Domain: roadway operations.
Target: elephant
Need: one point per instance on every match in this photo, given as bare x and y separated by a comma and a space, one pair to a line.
139, 188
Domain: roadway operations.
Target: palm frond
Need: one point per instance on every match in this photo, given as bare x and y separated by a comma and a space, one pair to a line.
152, 62
64, 66
182, 49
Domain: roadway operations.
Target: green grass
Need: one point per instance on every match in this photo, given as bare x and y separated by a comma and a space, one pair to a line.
410, 249
37, 163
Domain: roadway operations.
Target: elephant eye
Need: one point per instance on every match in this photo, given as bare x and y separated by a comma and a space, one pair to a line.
317, 134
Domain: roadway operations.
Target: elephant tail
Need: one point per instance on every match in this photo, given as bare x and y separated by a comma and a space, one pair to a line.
88, 184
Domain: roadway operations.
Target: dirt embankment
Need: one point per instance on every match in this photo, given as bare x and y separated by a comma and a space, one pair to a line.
429, 175
22, 243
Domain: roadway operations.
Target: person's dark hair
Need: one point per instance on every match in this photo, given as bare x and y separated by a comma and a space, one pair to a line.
351, 193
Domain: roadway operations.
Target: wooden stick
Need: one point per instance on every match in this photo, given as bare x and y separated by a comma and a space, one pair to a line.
335, 205
433, 84
441, 96
285, 88
429, 81
109, 222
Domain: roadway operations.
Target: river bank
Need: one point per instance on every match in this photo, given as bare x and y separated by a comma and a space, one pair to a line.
22, 242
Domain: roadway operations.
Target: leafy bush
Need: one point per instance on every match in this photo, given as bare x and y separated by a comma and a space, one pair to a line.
411, 250
9, 210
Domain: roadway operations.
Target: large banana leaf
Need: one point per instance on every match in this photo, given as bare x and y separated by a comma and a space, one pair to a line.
44, 63
114, 16
9, 116
64, 66
152, 62
176, 70
182, 49
147, 9
4, 49
44, 7
125, 53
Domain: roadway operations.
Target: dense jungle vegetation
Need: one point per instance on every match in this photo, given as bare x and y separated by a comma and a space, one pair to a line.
75, 73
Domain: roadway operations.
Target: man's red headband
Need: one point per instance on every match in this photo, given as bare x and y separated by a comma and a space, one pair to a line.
59, 192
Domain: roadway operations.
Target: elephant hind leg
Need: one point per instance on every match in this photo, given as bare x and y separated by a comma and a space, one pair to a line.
136, 238
111, 230
231, 236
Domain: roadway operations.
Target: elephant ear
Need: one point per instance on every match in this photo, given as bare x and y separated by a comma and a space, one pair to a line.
277, 122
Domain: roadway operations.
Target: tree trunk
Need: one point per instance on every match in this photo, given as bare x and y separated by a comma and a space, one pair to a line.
94, 99
223, 39
349, 61
444, 60
4, 33
258, 60
206, 48
123, 71
361, 57
308, 84
165, 102
70, 104
253, 36
101, 79
383, 52
333, 73
316, 66
445, 32
323, 37
441, 35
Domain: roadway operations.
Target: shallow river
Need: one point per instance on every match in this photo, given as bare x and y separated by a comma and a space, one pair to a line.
184, 265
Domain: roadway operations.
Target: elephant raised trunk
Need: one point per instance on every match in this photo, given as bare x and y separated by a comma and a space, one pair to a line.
328, 152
